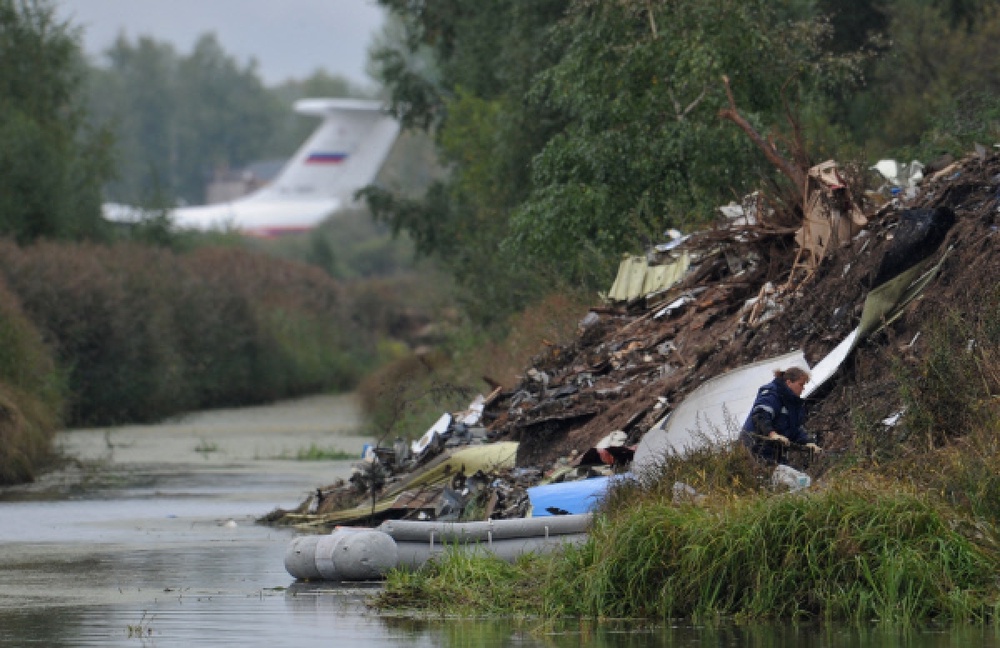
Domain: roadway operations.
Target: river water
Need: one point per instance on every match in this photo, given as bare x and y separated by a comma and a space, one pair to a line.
148, 539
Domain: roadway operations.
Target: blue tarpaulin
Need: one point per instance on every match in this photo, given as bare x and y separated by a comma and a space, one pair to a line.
564, 498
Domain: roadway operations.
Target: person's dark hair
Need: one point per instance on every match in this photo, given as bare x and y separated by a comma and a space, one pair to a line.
792, 374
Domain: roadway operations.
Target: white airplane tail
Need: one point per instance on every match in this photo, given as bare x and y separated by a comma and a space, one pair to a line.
343, 155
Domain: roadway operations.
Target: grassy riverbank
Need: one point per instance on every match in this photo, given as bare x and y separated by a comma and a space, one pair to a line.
848, 553
898, 544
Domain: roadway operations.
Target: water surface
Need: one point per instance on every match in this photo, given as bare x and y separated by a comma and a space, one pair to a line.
149, 540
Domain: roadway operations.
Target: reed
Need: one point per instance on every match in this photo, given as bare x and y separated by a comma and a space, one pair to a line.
461, 582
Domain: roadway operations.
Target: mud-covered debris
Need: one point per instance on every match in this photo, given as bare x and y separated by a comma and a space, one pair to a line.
742, 299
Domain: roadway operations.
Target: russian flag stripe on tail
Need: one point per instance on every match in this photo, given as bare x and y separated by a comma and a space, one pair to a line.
326, 158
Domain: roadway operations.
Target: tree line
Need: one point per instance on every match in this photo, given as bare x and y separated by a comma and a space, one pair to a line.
142, 125
180, 118
576, 130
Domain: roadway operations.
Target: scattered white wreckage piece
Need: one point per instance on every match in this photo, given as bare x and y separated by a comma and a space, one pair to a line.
674, 305
747, 213
440, 427
829, 365
901, 175
764, 307
902, 178
795, 480
713, 413
474, 414
676, 240
734, 212
893, 419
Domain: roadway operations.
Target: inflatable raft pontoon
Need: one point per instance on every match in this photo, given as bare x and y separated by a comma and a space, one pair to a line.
357, 554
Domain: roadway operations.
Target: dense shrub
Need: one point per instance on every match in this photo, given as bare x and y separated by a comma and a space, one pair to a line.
30, 393
409, 392
144, 333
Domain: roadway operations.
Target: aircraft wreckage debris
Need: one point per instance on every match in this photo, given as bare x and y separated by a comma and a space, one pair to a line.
752, 290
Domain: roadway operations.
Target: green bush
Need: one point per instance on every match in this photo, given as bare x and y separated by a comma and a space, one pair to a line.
144, 333
31, 393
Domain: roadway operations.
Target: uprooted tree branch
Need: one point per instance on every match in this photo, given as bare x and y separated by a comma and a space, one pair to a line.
790, 170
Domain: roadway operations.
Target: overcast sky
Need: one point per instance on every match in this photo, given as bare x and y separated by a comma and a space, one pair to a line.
288, 38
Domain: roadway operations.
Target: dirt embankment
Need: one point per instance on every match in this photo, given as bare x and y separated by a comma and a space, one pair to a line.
630, 366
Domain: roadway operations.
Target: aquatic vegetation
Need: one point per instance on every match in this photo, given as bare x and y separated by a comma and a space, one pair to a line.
316, 453
206, 447
141, 629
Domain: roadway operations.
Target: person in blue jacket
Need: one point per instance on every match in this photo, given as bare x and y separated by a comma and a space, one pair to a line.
778, 416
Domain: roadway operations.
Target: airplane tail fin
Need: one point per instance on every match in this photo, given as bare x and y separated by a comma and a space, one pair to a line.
343, 155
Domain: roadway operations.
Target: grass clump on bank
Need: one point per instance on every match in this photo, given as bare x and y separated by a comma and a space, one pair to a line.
316, 453
32, 393
856, 554
848, 554
462, 583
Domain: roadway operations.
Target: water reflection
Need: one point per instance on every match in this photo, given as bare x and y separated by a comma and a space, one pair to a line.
199, 600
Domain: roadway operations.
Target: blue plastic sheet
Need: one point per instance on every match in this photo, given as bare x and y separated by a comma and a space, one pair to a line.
565, 498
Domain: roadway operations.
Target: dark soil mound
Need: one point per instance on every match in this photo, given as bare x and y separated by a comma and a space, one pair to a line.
629, 367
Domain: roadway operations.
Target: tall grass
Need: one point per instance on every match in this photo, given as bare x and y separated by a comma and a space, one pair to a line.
857, 554
954, 386
847, 554
948, 440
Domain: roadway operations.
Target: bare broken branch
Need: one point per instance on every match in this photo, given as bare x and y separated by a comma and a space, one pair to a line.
682, 114
652, 19
790, 170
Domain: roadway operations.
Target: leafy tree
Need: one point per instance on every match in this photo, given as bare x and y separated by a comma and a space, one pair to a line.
51, 164
137, 94
179, 119
462, 68
940, 72
575, 131
226, 115
644, 148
